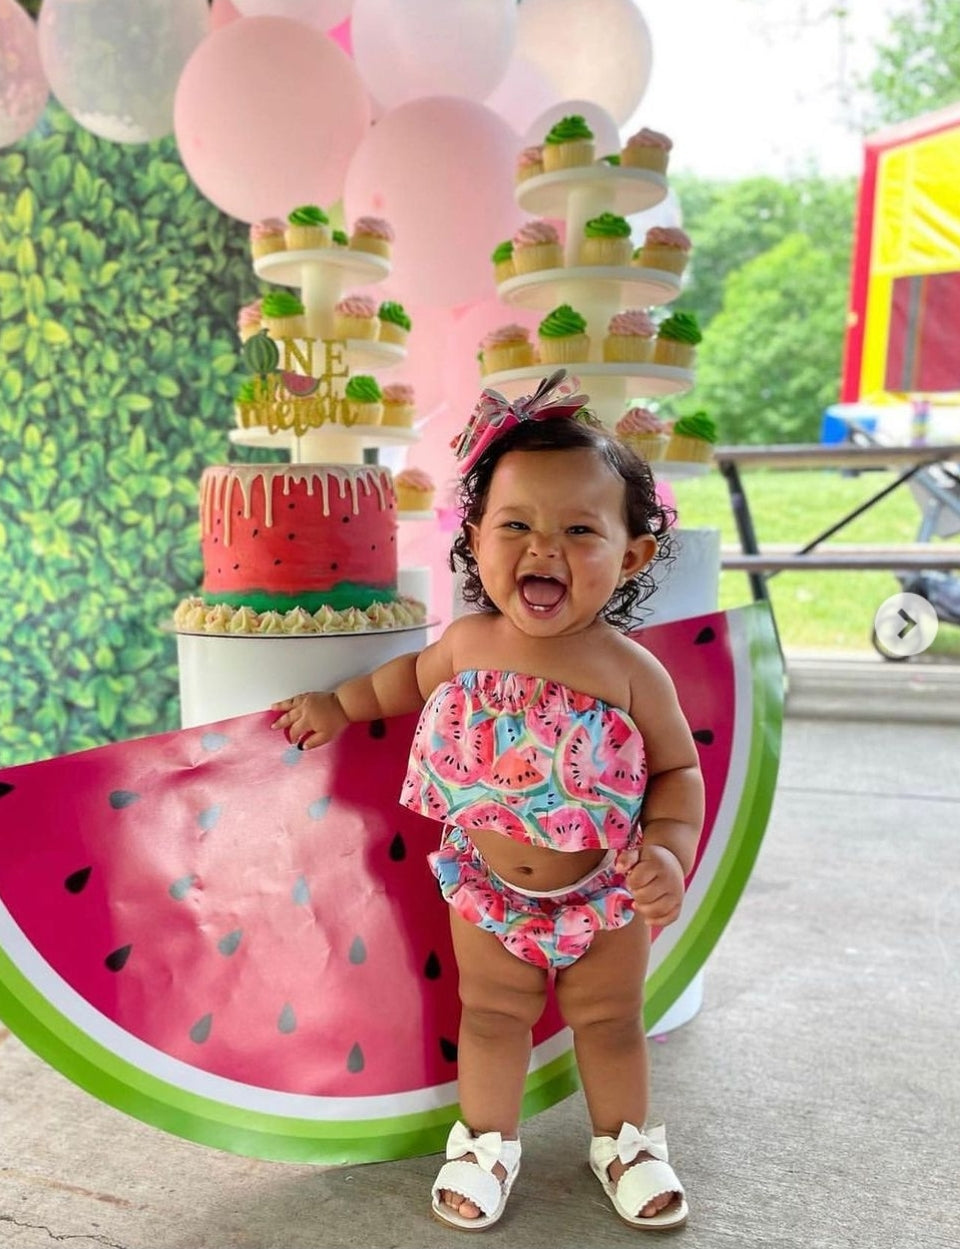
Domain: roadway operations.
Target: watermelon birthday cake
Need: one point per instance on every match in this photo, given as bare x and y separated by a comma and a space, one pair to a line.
297, 548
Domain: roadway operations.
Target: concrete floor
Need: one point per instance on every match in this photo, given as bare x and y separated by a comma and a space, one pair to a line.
813, 1103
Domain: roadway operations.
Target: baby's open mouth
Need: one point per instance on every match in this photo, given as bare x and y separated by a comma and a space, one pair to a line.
542, 593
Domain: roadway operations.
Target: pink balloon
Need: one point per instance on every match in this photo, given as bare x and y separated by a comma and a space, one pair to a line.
441, 170
23, 84
341, 36
222, 13
268, 115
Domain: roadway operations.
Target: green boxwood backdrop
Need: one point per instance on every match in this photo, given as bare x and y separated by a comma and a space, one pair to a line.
119, 290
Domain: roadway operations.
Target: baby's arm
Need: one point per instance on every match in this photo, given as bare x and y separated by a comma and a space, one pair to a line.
672, 815
395, 688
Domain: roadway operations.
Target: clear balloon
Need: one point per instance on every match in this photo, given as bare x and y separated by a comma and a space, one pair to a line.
522, 95
598, 50
268, 115
116, 76
432, 47
23, 84
668, 213
440, 170
605, 133
320, 13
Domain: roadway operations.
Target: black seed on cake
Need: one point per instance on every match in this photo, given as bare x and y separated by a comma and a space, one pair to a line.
255, 533
345, 520
235, 567
334, 567
276, 562
291, 537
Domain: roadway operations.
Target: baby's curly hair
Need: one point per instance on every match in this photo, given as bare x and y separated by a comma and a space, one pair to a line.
644, 511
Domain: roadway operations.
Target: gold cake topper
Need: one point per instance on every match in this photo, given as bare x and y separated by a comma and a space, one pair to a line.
293, 397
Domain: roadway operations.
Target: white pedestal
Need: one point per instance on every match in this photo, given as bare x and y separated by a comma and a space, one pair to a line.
224, 675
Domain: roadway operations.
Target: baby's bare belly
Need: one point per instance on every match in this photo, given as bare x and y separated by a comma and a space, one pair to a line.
534, 868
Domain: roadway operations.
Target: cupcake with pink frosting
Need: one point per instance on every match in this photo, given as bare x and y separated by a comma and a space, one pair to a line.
647, 149
414, 489
372, 234
530, 162
630, 337
644, 433
507, 347
355, 316
536, 246
249, 320
664, 247
398, 404
267, 236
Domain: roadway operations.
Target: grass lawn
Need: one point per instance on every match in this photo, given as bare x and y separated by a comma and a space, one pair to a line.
822, 611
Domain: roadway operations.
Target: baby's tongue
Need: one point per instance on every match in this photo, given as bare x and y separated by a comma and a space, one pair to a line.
542, 591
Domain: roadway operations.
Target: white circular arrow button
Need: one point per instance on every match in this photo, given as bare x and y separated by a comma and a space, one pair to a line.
905, 625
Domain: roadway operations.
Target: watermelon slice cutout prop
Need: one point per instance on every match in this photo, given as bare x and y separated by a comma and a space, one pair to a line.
241, 943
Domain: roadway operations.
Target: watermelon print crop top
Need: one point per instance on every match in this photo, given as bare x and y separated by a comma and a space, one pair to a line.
529, 758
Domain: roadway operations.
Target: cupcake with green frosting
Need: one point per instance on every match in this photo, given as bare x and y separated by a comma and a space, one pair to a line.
692, 438
677, 339
364, 400
502, 257
568, 143
340, 238
307, 227
563, 337
394, 322
245, 404
606, 241
282, 314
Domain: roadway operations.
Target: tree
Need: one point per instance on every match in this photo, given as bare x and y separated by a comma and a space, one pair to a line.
770, 360
918, 64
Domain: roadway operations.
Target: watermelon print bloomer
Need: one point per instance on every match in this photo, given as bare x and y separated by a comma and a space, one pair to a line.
529, 758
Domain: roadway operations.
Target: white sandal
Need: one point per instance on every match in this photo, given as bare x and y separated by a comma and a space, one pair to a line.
645, 1180
475, 1181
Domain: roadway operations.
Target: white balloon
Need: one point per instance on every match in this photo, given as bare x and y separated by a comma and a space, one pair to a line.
324, 14
668, 213
598, 50
606, 136
23, 86
407, 49
523, 94
115, 72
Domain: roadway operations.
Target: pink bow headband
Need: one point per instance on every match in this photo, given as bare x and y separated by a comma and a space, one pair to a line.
495, 414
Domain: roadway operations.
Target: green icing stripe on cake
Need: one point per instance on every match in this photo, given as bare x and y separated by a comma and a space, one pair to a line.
569, 130
681, 327
308, 215
561, 323
342, 596
607, 226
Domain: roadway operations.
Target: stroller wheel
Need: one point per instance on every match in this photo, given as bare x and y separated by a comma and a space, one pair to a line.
889, 656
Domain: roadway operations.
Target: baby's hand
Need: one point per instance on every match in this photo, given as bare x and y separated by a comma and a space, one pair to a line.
310, 719
655, 878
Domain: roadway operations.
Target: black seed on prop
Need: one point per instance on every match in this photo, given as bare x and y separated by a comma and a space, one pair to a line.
5, 789
76, 882
377, 729
706, 634
358, 951
301, 891
398, 848
287, 1020
355, 1059
227, 944
201, 1029
180, 888
120, 798
117, 960
431, 968
703, 736
448, 1049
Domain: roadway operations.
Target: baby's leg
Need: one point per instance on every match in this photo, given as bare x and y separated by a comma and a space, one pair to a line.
601, 998
502, 997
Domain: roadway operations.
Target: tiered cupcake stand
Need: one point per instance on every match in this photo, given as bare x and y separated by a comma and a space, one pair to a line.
689, 586
223, 675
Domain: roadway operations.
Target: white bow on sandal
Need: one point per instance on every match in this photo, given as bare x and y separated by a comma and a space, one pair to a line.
643, 1181
475, 1181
